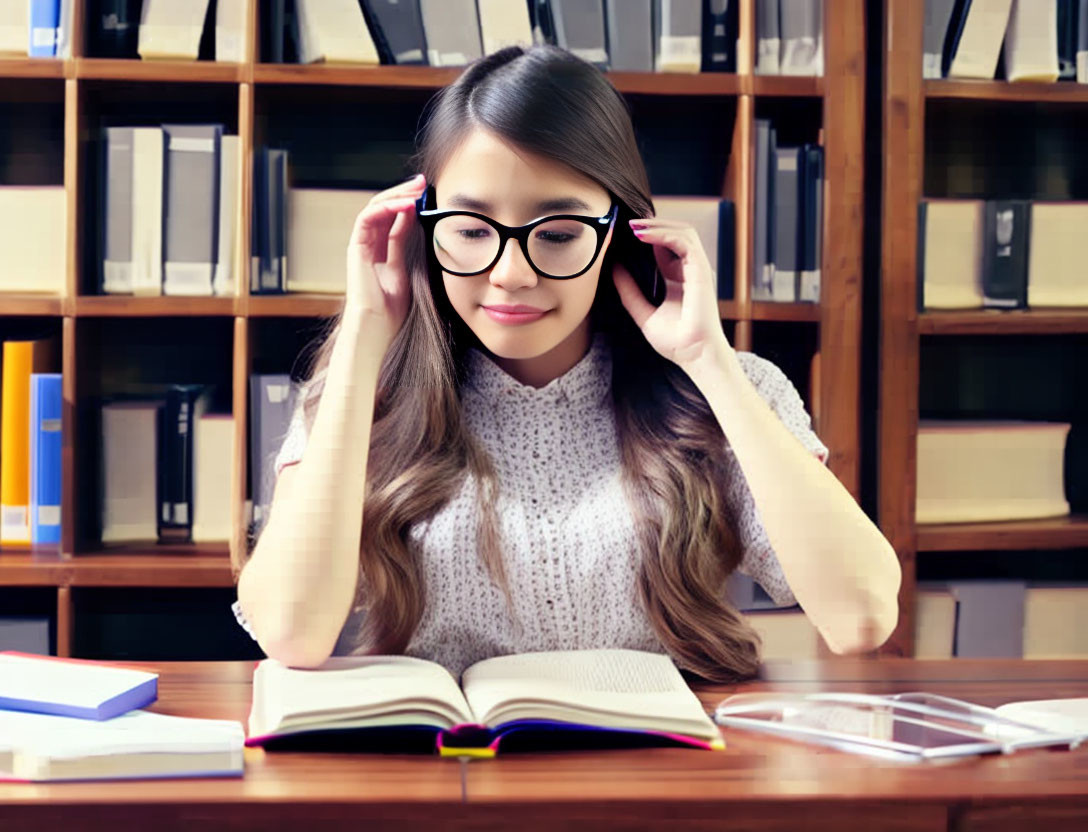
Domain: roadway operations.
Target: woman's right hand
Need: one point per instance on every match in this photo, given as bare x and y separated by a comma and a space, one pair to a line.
378, 291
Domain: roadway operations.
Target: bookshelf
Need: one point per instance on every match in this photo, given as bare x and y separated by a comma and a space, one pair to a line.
929, 128
817, 344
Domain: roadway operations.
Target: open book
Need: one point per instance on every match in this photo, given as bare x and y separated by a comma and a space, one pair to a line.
529, 701
139, 744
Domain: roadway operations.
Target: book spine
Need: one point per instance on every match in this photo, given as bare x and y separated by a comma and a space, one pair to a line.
1005, 254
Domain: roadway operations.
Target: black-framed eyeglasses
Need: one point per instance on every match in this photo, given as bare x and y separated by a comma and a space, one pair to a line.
464, 243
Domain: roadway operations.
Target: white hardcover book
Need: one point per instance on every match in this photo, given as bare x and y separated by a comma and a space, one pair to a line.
213, 445
14, 25
1056, 622
952, 260
230, 186
148, 187
135, 745
319, 223
170, 30
129, 468
1031, 42
768, 38
230, 31
980, 42
334, 31
192, 198
1057, 267
33, 229
971, 471
503, 23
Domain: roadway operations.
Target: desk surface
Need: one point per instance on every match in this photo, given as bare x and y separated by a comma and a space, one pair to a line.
759, 782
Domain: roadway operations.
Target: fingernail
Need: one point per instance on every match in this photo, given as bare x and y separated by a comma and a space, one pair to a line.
639, 233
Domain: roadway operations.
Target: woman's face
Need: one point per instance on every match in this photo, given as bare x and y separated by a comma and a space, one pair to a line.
514, 187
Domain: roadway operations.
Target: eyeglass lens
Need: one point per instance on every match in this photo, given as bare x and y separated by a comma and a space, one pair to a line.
557, 247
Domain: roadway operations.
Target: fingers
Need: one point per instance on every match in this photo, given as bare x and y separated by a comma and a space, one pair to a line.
678, 238
631, 296
375, 222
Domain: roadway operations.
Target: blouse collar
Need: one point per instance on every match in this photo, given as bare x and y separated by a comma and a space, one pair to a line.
588, 380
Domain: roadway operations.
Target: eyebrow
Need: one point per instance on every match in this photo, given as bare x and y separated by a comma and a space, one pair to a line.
566, 204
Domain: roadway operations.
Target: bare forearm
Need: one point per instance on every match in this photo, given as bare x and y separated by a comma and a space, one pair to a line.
841, 568
299, 585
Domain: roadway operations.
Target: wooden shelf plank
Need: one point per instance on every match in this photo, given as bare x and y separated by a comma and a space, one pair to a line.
110, 306
38, 566
785, 86
111, 69
32, 68
140, 565
674, 83
1059, 92
1052, 533
419, 77
20, 303
300, 305
1004, 322
772, 311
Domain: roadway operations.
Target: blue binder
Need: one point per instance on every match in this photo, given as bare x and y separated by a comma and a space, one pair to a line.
46, 401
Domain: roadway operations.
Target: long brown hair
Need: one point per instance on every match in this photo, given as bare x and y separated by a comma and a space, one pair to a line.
673, 452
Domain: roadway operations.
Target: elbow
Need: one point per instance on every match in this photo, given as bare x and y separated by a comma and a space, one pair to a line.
296, 652
871, 621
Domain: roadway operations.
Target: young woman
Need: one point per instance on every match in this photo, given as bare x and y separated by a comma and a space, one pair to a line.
504, 446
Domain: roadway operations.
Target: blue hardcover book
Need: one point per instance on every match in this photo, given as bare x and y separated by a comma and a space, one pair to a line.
46, 400
43, 24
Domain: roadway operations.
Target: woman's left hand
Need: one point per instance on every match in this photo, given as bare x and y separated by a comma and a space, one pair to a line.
686, 326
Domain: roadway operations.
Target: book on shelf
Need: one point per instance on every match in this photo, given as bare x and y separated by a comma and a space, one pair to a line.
1001, 618
33, 231
971, 470
397, 29
138, 744
504, 24
21, 360
976, 34
319, 223
25, 634
45, 468
531, 701
452, 31
170, 30
230, 30
580, 29
113, 28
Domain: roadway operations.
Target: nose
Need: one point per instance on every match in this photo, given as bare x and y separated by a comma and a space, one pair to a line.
512, 271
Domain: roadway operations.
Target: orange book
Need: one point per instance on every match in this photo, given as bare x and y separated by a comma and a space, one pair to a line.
20, 360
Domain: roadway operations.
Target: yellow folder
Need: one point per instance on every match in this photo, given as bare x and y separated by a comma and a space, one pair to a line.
20, 360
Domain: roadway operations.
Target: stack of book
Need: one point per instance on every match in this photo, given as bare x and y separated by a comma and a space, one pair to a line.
788, 219
1042, 40
789, 37
166, 465
168, 208
1001, 254
622, 35
66, 719
30, 443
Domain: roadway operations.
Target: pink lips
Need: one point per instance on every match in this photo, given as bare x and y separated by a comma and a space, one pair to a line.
514, 314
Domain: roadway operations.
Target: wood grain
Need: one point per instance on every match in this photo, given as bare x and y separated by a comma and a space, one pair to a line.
758, 783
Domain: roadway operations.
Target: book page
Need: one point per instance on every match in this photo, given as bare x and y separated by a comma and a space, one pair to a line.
352, 689
610, 688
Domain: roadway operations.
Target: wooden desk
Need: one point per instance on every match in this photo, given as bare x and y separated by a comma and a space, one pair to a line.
759, 783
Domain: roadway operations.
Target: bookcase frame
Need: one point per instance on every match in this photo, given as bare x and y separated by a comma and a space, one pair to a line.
902, 326
834, 379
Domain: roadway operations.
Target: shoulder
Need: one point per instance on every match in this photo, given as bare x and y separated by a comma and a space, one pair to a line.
766, 376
